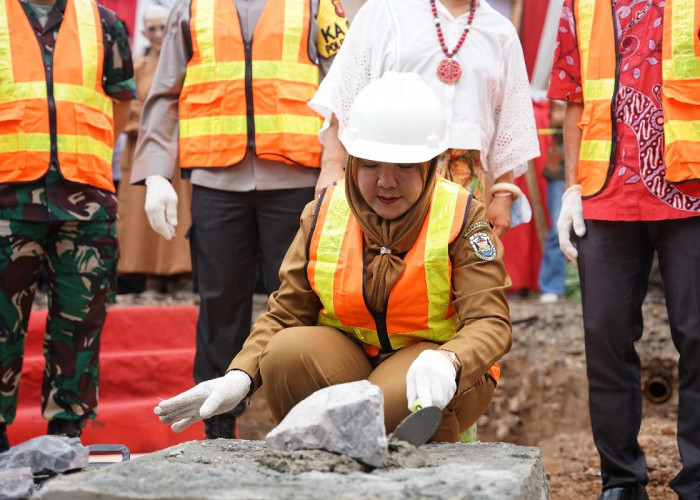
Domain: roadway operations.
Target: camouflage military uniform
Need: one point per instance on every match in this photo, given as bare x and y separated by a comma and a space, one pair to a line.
69, 229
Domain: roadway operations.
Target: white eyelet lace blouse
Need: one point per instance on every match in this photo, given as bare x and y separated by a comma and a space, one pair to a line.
489, 109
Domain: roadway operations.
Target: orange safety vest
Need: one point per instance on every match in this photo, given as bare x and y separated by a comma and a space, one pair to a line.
61, 114
239, 96
420, 303
680, 93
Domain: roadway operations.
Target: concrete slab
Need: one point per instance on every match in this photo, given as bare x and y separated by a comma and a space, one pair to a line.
227, 469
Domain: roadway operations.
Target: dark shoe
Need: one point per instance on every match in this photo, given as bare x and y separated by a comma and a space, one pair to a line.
220, 426
70, 428
4, 443
635, 491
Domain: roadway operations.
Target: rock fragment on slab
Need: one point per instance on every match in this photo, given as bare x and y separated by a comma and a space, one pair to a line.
16, 483
47, 454
343, 418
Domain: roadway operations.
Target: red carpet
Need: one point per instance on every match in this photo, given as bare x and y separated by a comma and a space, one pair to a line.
146, 354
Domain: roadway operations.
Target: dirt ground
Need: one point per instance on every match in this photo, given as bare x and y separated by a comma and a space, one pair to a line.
542, 397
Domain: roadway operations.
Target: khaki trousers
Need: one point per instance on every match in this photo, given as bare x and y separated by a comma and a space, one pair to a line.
299, 361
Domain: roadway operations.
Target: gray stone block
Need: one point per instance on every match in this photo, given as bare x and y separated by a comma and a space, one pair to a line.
228, 469
16, 483
343, 418
53, 454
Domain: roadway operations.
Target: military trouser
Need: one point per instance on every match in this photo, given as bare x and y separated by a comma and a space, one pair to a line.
80, 260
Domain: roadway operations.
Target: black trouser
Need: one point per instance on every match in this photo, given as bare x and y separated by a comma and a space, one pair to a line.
614, 263
227, 230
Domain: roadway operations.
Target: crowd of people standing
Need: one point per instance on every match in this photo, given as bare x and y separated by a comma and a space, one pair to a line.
396, 143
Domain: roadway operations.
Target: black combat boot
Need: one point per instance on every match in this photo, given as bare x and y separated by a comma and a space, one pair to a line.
4, 442
220, 426
70, 428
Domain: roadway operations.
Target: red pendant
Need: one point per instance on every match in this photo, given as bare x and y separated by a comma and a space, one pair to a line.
449, 71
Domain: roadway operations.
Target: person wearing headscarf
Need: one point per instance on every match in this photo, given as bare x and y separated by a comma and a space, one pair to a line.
141, 250
395, 277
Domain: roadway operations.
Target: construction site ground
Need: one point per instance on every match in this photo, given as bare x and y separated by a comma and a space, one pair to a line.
542, 398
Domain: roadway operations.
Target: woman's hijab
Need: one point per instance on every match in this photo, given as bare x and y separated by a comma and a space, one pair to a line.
396, 235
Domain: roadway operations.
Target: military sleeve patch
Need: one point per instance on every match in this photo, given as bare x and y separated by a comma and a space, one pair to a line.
332, 27
481, 224
483, 246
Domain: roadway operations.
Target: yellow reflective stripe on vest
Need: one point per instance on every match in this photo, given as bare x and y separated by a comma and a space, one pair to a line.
62, 92
683, 64
224, 71
22, 91
214, 72
586, 10
398, 341
78, 144
329, 245
286, 70
364, 335
293, 22
82, 95
676, 130
681, 68
288, 124
596, 150
14, 143
599, 90
83, 145
212, 125
275, 124
6, 73
437, 271
88, 42
205, 31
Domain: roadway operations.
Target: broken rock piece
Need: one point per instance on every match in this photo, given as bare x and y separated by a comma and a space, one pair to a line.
343, 418
52, 454
16, 483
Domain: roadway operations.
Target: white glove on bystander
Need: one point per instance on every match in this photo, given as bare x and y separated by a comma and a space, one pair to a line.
430, 380
571, 215
204, 400
161, 205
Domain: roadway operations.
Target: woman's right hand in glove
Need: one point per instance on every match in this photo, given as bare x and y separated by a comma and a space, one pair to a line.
204, 400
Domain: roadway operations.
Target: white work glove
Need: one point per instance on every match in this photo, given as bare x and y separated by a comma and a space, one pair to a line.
161, 205
204, 400
430, 380
571, 215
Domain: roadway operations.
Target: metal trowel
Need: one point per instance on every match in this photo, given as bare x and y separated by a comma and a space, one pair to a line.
419, 426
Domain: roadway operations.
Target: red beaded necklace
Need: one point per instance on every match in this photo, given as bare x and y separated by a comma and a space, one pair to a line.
449, 70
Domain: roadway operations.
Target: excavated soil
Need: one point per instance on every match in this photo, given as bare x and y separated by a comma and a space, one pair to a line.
542, 397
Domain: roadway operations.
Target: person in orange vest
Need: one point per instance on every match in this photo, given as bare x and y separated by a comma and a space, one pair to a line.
630, 75
66, 81
229, 101
394, 276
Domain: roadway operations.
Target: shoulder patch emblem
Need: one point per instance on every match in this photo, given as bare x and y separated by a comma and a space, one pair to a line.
483, 246
481, 224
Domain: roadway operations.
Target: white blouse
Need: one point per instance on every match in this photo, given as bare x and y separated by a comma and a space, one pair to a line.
489, 110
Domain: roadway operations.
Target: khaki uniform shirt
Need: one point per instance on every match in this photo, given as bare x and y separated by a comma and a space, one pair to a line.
479, 287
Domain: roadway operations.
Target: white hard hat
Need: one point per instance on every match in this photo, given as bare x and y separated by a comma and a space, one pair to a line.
396, 119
